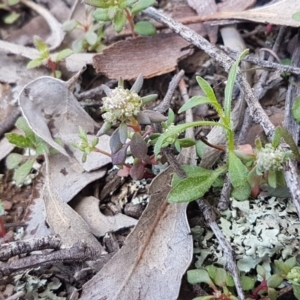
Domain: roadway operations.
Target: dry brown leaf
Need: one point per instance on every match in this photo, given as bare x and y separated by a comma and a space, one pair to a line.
35, 218
62, 219
149, 56
52, 111
279, 13
68, 182
154, 257
235, 5
88, 209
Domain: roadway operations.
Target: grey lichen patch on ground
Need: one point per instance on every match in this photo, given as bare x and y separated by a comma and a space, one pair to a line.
256, 229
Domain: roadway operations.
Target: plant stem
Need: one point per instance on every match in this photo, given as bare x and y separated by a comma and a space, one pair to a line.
129, 18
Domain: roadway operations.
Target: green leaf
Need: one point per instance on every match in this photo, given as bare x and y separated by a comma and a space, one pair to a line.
57, 74
186, 142
41, 46
41, 147
13, 160
209, 92
285, 269
23, 125
272, 293
261, 271
171, 117
35, 63
144, 28
199, 276
291, 262
237, 171
18, 140
141, 5
11, 18
247, 283
69, 25
101, 15
296, 109
272, 179
211, 270
97, 3
220, 277
180, 128
281, 132
63, 54
91, 37
192, 188
296, 290
21, 173
119, 20
275, 280
230, 84
148, 98
194, 101
78, 46
241, 193
191, 171
13, 2
137, 86
296, 17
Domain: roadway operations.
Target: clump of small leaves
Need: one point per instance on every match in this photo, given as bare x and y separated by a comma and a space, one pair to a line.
45, 58
219, 281
11, 7
123, 107
122, 11
93, 33
21, 164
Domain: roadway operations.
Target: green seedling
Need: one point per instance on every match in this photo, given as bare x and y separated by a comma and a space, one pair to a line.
93, 33
22, 165
11, 8
122, 11
219, 281
45, 58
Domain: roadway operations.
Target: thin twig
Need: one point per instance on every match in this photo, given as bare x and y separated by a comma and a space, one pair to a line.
165, 104
20, 247
211, 215
263, 63
78, 252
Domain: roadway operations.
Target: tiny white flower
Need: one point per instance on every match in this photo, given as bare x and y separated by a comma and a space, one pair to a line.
121, 105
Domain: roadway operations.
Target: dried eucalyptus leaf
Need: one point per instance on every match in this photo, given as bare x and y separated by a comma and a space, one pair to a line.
52, 111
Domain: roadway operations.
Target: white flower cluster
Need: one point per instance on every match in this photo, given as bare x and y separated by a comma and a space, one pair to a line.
270, 159
121, 105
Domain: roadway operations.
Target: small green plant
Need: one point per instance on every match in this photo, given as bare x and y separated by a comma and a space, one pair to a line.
11, 7
222, 284
121, 11
247, 168
45, 58
93, 33
22, 165
123, 107
219, 281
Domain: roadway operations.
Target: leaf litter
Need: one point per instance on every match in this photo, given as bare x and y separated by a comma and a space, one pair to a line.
143, 241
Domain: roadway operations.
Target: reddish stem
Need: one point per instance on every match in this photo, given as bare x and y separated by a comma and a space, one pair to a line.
129, 18
263, 286
52, 65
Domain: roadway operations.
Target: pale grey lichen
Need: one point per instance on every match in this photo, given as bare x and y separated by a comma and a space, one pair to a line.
257, 230
121, 105
270, 159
